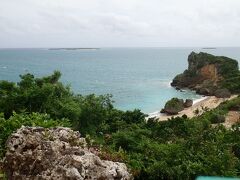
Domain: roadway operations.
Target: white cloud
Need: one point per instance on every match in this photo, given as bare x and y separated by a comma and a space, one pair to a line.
123, 25
44, 23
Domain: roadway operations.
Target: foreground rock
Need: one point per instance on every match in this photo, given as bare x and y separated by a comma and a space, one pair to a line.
60, 153
206, 73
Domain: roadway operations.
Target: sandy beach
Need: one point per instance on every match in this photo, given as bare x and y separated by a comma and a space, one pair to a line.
209, 102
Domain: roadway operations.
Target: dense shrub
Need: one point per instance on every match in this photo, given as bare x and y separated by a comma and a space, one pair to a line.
177, 149
232, 83
180, 148
44, 95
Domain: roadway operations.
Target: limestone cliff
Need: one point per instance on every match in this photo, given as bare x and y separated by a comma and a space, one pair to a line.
205, 73
58, 153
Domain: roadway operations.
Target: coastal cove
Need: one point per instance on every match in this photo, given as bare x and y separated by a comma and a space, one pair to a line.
209, 102
136, 77
119, 90
214, 77
162, 116
48, 131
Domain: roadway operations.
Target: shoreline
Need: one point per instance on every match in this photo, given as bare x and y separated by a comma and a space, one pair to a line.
210, 102
158, 114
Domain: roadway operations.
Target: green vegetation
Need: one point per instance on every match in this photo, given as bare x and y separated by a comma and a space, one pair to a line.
199, 79
179, 148
232, 83
2, 176
45, 95
227, 67
173, 106
174, 102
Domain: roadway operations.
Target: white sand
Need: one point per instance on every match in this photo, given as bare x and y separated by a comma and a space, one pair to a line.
209, 102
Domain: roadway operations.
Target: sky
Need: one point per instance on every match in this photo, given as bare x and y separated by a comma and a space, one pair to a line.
119, 23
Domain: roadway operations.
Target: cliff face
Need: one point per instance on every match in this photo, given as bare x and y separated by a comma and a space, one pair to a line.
205, 73
59, 153
210, 72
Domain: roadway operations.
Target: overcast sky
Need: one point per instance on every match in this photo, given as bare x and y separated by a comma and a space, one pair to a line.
119, 23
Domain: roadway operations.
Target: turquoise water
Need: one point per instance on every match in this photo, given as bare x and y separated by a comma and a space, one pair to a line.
136, 77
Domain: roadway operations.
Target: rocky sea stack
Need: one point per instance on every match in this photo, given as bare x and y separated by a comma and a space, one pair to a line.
208, 74
57, 153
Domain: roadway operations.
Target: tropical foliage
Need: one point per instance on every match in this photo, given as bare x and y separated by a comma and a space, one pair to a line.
179, 148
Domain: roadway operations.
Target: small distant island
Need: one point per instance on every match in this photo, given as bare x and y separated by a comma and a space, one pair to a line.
73, 49
209, 48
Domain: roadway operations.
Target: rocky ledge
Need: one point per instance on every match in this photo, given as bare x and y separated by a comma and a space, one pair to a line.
206, 74
58, 153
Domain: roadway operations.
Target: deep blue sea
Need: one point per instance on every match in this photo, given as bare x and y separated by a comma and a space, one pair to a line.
136, 77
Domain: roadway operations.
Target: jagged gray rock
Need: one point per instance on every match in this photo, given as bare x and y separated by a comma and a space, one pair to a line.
57, 153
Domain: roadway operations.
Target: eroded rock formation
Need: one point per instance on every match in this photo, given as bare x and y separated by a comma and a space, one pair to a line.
59, 153
205, 73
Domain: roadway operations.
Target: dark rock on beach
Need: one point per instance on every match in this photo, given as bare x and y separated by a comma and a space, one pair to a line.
204, 91
188, 103
222, 93
162, 110
174, 106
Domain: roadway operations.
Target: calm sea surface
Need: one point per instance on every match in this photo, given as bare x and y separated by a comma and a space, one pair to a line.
136, 77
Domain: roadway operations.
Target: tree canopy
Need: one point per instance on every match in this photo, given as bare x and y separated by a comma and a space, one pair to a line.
180, 148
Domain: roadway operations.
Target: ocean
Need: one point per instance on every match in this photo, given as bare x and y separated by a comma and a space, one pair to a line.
138, 78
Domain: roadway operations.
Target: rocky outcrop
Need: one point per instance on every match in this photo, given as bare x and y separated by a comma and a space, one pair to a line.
173, 106
58, 153
222, 93
188, 103
205, 73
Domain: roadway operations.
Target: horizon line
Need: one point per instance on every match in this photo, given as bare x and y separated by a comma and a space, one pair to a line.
86, 47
